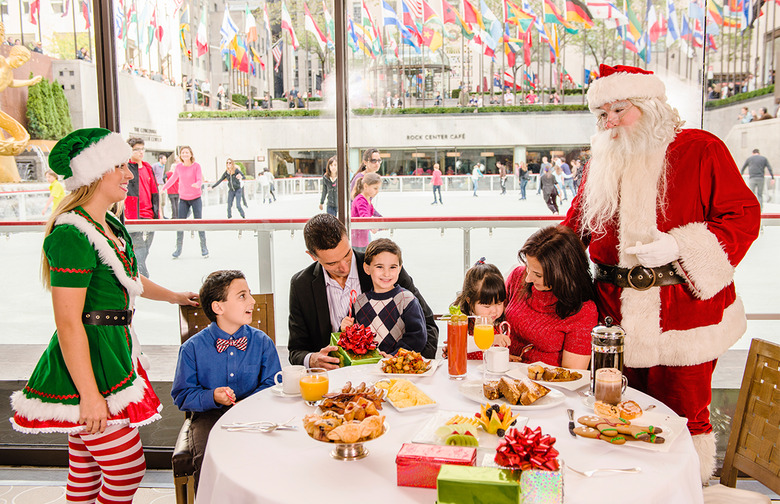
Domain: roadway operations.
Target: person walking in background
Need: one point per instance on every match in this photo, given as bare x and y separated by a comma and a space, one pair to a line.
524, 177
502, 174
190, 177
265, 186
476, 174
568, 179
756, 165
362, 206
271, 184
56, 192
142, 202
577, 172
436, 182
549, 192
544, 168
235, 192
330, 188
158, 169
173, 192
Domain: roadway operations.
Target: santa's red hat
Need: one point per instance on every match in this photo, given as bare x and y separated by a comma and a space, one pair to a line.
622, 83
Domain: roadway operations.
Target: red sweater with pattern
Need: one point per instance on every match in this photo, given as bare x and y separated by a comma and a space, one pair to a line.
533, 320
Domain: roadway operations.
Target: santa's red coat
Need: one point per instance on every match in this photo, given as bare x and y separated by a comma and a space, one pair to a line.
715, 218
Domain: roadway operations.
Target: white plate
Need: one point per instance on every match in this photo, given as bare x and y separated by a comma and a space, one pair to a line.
672, 426
473, 390
432, 405
522, 370
434, 364
427, 435
277, 390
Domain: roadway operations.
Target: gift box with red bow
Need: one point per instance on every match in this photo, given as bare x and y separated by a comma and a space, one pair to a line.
418, 464
350, 358
541, 480
459, 484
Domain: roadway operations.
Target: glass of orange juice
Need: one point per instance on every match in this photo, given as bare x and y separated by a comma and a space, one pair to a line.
314, 384
483, 335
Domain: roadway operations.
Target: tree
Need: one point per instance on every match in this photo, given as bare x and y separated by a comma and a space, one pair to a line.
48, 115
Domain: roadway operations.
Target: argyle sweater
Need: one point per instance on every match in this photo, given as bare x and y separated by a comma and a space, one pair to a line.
396, 318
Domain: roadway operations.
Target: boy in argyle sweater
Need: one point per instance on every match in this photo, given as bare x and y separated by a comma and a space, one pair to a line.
392, 312
227, 361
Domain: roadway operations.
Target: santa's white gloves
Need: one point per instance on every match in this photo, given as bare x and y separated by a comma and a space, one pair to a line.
662, 250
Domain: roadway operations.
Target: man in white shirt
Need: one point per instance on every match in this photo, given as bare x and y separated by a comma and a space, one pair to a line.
320, 294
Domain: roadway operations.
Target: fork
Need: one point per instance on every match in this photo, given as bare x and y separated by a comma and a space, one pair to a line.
262, 426
590, 473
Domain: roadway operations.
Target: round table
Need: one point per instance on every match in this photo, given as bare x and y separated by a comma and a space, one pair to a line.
288, 466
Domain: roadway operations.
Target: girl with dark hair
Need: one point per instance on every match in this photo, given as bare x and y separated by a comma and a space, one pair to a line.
330, 189
483, 294
234, 177
550, 300
372, 160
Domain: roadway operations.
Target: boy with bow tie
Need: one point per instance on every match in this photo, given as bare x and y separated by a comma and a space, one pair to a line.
227, 361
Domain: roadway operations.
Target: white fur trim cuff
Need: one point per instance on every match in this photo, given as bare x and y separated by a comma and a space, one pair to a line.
623, 86
703, 262
96, 160
706, 449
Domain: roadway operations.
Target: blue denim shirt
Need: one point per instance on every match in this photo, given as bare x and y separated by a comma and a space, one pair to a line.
201, 369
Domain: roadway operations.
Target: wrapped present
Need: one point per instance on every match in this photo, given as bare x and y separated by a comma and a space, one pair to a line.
459, 484
542, 487
350, 358
418, 464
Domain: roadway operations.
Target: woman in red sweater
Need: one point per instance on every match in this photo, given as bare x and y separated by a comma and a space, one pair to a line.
550, 300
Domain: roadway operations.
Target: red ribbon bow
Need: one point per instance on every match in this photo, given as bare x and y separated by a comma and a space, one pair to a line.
223, 344
527, 449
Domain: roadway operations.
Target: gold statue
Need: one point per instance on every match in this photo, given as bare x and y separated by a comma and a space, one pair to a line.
19, 136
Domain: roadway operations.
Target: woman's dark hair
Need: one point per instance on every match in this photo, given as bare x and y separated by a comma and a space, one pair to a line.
483, 284
380, 245
564, 265
215, 288
323, 232
366, 158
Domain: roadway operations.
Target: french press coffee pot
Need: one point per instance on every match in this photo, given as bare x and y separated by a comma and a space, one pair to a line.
606, 349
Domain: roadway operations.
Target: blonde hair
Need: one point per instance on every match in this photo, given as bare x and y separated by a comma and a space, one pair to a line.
74, 199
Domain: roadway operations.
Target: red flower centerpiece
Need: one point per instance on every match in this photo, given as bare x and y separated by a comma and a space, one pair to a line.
527, 449
358, 339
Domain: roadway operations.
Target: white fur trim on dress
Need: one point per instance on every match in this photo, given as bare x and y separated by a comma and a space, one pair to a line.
105, 252
705, 445
647, 346
35, 409
703, 261
96, 160
623, 86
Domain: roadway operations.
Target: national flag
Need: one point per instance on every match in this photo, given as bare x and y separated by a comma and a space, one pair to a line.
352, 36
250, 28
711, 42
567, 77
492, 30
389, 17
266, 22
276, 51
685, 31
373, 35
628, 41
311, 27
415, 8
432, 37
239, 55
712, 26
578, 12
330, 27
35, 8
287, 25
394, 46
529, 78
607, 11
735, 5
715, 10
257, 58
227, 32
537, 22
200, 39
696, 10
509, 81
86, 11
554, 47
634, 26
747, 14
451, 15
672, 33
552, 15
119, 19
698, 34
645, 47
517, 16
587, 76
527, 45
654, 30
65, 8
184, 28
472, 15
411, 33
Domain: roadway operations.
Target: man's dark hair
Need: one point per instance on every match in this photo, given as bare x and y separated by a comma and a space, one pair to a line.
755, 151
215, 288
323, 232
133, 141
160, 156
380, 245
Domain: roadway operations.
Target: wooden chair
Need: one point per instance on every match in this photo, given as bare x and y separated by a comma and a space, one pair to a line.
191, 321
754, 442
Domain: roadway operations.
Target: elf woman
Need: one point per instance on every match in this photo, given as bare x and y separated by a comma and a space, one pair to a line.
89, 382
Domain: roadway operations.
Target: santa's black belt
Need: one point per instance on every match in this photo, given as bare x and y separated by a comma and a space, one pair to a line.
638, 277
107, 317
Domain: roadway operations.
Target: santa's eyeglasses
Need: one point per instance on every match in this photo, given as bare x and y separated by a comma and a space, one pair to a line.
612, 113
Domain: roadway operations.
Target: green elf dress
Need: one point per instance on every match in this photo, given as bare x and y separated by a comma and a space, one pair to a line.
81, 255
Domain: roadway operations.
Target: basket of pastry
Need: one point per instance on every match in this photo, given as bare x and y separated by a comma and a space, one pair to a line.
406, 362
348, 419
552, 374
523, 392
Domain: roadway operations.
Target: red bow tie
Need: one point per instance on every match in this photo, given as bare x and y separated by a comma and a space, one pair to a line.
239, 343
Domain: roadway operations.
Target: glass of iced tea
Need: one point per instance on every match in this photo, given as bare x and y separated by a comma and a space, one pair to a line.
314, 384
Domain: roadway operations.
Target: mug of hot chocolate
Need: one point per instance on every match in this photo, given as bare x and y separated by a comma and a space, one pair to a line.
610, 385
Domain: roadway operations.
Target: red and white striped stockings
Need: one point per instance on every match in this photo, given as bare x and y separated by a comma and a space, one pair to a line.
105, 468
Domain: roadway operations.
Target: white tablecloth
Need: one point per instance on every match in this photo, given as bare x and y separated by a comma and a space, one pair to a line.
288, 466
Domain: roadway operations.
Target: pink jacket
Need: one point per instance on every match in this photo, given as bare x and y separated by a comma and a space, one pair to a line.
361, 207
436, 178
186, 176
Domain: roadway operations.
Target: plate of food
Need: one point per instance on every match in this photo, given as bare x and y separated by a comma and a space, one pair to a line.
404, 395
408, 363
653, 430
522, 394
559, 377
455, 427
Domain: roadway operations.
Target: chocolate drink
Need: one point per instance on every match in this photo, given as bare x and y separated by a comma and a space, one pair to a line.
609, 385
605, 357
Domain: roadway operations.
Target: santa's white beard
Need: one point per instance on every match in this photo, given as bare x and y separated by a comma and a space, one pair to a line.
625, 172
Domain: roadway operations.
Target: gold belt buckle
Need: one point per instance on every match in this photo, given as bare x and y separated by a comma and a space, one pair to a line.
644, 272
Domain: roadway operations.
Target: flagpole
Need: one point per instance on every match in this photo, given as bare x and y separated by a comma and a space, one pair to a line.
759, 84
159, 53
504, 48
40, 37
774, 23
89, 31
73, 18
21, 21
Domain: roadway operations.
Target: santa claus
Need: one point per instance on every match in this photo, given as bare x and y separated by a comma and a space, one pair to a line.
667, 217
